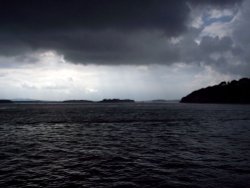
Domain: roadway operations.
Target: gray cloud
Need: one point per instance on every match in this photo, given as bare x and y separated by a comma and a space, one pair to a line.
45, 15
117, 32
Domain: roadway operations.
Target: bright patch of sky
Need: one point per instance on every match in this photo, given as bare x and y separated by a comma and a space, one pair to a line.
214, 23
208, 17
52, 78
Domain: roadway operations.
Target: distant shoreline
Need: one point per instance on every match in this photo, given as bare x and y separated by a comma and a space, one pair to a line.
5, 101
104, 101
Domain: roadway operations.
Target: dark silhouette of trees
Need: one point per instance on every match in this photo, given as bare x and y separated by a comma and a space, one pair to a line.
5, 101
231, 92
77, 101
117, 101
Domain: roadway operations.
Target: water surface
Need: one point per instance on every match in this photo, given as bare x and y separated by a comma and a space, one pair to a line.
128, 145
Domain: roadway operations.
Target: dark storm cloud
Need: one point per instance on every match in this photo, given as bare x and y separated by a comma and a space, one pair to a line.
47, 15
99, 31
42, 15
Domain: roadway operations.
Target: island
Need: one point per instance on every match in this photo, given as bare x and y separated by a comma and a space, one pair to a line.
77, 101
4, 101
117, 101
234, 92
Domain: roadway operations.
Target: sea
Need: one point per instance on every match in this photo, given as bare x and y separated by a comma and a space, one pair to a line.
147, 145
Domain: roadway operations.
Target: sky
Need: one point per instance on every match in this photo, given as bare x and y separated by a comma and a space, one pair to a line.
137, 49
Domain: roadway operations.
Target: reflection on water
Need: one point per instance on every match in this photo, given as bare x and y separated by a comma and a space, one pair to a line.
128, 145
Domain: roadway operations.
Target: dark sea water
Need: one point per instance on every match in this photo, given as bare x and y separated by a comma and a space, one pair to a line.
126, 145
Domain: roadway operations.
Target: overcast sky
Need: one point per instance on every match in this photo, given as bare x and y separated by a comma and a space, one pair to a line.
138, 49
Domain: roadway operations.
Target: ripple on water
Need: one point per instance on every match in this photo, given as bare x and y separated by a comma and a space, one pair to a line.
142, 145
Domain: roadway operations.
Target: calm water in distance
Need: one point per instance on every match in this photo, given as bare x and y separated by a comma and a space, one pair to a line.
128, 145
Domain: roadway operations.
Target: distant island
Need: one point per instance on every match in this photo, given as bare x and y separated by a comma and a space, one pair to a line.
5, 101
102, 101
117, 101
234, 92
77, 101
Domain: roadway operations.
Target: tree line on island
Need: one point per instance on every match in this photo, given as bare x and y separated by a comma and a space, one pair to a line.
102, 101
5, 101
234, 92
